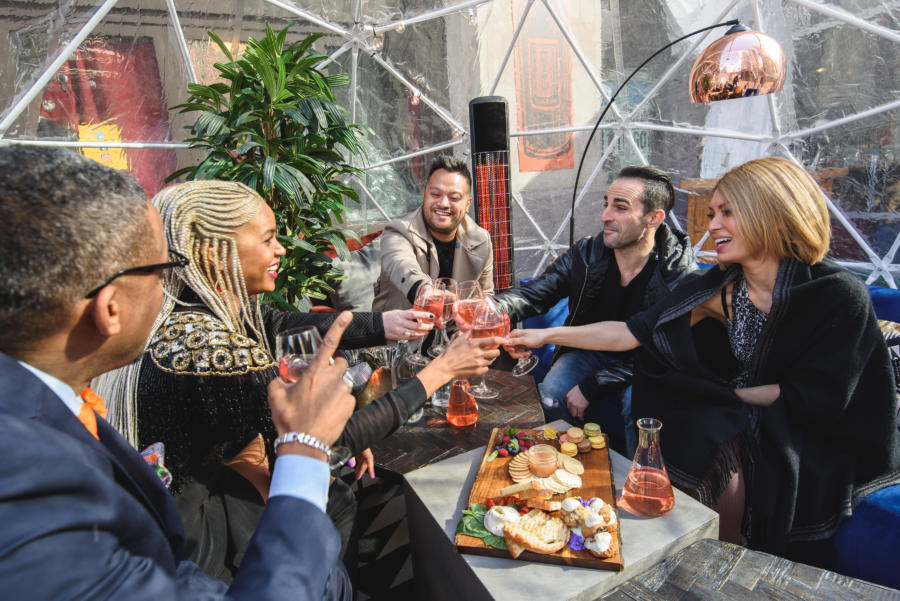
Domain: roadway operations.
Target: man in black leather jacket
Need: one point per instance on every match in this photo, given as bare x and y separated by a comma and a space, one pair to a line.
634, 262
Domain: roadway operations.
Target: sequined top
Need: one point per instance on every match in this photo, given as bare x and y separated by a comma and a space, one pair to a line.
202, 390
744, 328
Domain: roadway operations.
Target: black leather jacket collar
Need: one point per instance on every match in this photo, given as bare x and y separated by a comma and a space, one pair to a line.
580, 271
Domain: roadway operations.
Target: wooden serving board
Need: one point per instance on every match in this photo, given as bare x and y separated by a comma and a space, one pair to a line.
597, 481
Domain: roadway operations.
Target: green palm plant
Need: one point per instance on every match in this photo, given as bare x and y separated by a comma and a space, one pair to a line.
275, 126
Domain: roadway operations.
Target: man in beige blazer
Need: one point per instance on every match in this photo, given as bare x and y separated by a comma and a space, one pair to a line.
436, 240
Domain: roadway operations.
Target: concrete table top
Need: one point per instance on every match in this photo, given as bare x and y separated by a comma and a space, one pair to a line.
437, 495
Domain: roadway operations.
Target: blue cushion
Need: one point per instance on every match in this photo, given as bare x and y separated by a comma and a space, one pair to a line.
868, 541
886, 302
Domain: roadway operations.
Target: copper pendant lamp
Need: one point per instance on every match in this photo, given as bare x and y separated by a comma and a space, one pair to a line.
740, 64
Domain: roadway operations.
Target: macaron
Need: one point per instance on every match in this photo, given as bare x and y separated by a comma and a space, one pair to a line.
568, 448
591, 429
597, 442
549, 433
575, 435
584, 446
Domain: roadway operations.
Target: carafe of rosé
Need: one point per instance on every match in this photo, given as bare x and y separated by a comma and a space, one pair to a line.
462, 409
647, 490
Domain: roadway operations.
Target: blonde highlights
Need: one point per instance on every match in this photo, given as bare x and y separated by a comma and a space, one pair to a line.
200, 219
779, 208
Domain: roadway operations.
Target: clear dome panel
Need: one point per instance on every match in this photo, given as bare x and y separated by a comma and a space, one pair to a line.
400, 121
838, 69
856, 166
36, 35
841, 54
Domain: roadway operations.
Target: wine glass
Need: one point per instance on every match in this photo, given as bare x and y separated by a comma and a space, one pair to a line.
469, 296
431, 300
295, 349
408, 368
450, 289
490, 320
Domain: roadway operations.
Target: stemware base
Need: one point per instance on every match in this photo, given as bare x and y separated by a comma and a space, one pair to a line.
523, 366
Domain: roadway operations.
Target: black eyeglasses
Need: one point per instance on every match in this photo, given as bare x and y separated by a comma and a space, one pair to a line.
176, 259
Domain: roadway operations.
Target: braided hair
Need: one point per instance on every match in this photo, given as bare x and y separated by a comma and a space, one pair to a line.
200, 219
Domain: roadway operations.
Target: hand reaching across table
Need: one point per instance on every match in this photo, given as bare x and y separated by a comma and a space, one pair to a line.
406, 324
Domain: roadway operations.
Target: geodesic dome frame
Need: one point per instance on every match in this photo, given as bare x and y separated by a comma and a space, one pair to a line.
99, 75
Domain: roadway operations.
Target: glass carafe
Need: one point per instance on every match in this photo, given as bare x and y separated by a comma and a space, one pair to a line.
647, 490
462, 410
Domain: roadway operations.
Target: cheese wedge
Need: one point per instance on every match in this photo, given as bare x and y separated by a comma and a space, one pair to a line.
517, 488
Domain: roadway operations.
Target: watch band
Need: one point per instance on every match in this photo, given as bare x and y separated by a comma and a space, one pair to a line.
304, 439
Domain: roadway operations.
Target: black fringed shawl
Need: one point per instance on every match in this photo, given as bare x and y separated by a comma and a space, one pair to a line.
829, 439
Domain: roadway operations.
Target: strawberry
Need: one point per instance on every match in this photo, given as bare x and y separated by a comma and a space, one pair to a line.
503, 452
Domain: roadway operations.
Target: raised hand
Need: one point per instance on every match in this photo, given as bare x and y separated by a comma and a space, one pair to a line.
319, 403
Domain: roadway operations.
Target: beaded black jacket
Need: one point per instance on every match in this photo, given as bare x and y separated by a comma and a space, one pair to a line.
202, 389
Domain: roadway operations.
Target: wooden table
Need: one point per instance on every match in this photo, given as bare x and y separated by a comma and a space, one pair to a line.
710, 569
432, 439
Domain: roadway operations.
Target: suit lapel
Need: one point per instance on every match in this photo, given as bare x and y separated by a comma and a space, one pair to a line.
143, 483
23, 394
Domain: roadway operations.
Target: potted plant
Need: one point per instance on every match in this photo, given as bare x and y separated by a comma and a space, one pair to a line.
275, 126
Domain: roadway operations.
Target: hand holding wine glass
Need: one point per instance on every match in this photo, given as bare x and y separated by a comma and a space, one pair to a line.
429, 299
449, 288
311, 381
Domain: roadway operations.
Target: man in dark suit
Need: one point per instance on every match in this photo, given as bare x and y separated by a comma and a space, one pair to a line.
82, 254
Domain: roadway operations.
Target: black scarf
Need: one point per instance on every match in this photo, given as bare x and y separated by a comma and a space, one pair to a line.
829, 439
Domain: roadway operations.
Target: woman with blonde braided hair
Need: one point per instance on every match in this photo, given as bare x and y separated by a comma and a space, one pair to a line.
200, 388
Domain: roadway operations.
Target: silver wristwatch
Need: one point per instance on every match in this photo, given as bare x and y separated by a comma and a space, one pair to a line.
304, 439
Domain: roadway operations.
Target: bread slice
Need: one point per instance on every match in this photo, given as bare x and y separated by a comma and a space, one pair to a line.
536, 531
544, 504
514, 548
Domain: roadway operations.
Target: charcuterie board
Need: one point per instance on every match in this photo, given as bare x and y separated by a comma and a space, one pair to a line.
596, 481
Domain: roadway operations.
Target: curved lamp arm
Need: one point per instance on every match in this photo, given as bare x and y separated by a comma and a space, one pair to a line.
733, 22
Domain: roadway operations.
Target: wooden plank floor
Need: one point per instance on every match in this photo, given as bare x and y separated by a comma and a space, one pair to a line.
713, 570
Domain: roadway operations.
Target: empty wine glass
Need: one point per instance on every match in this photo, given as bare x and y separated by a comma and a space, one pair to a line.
408, 367
449, 287
431, 300
490, 320
295, 349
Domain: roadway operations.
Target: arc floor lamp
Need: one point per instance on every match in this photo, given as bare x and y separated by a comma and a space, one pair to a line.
741, 63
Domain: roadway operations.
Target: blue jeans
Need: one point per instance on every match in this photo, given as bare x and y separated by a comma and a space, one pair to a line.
568, 370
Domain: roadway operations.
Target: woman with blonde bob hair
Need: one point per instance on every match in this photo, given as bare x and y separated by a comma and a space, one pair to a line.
200, 387
770, 373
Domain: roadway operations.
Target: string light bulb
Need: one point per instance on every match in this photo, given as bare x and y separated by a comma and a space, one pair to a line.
401, 27
414, 100
472, 18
